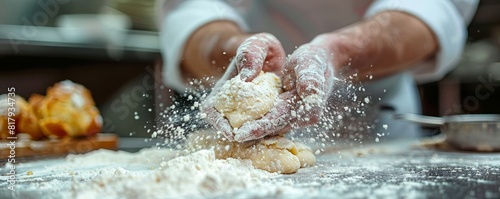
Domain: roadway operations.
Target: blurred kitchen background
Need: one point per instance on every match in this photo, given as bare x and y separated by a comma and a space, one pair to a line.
111, 47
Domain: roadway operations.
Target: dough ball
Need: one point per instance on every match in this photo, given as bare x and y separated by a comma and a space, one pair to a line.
305, 155
274, 154
241, 101
205, 139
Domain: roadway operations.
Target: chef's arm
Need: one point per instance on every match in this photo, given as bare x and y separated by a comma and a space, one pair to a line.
193, 33
382, 45
209, 49
425, 37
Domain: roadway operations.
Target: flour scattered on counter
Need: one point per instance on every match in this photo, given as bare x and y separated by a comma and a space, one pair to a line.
194, 175
150, 173
383, 172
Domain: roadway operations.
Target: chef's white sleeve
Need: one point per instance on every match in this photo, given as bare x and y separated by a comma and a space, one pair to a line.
178, 20
448, 19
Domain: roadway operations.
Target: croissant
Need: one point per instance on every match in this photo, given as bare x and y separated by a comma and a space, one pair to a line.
67, 110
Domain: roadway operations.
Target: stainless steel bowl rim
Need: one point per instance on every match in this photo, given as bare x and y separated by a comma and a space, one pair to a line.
472, 118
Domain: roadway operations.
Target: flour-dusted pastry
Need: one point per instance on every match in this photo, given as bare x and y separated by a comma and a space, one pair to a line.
67, 110
274, 154
24, 118
241, 101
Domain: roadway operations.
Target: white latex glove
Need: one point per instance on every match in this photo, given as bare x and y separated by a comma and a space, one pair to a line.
307, 82
260, 52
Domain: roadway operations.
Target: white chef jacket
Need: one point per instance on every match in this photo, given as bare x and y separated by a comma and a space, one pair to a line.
295, 22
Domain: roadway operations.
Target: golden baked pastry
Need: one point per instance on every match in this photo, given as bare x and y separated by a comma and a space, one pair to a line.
28, 122
67, 110
4, 111
35, 101
24, 117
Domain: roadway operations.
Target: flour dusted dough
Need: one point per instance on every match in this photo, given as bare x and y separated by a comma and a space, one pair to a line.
275, 154
241, 101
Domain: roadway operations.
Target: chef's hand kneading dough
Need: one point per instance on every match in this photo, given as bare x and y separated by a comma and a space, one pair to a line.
240, 102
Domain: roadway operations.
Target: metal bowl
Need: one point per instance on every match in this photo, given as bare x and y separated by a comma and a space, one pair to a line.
479, 132
473, 132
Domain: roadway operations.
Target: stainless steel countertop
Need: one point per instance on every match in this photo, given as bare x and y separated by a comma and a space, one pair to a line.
390, 170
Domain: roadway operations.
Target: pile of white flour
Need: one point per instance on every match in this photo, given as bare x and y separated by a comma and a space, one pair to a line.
150, 173
194, 175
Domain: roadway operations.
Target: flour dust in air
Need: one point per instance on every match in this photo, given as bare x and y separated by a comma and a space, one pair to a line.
348, 117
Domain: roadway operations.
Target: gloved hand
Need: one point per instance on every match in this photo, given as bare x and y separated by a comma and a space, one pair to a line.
307, 82
260, 52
